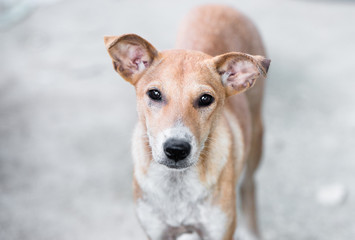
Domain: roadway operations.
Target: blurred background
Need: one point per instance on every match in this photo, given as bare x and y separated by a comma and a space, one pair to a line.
66, 117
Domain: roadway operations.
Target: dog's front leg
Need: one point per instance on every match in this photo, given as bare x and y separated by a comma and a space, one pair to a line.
216, 224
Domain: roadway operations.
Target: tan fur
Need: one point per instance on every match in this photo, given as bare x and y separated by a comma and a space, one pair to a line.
231, 128
233, 32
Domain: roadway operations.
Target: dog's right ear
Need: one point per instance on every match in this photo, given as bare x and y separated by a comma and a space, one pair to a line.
131, 55
239, 71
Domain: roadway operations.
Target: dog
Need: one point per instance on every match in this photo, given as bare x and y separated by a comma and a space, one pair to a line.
199, 129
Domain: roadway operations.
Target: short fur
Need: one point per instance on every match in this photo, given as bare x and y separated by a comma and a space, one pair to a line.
198, 200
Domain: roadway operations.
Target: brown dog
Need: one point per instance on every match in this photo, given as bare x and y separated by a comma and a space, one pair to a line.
194, 138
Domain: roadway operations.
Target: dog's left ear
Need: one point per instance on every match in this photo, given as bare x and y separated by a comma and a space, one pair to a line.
239, 71
131, 55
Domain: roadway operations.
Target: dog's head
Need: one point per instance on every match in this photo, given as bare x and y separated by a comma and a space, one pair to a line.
180, 93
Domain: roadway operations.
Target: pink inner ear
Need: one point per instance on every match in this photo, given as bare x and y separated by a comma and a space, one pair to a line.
138, 57
240, 75
241, 67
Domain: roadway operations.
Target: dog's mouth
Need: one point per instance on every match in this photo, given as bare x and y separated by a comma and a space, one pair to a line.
177, 165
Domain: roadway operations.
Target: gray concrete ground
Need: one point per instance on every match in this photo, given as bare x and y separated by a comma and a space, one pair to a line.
66, 118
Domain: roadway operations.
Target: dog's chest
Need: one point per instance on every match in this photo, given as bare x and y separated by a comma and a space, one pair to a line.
175, 198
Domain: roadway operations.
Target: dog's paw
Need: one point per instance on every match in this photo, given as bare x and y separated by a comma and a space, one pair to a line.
189, 236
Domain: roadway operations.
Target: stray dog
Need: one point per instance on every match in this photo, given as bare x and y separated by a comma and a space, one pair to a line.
197, 130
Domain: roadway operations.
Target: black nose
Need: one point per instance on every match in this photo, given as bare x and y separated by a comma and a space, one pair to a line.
176, 149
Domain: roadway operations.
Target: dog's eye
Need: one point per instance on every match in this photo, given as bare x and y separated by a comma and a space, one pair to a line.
205, 100
154, 95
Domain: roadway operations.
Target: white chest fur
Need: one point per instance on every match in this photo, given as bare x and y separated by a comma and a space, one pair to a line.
177, 199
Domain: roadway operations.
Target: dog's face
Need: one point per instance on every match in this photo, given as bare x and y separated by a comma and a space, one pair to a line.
180, 93
179, 99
